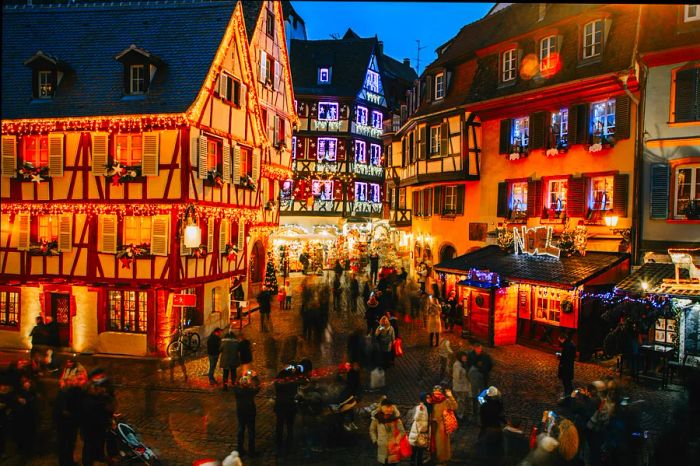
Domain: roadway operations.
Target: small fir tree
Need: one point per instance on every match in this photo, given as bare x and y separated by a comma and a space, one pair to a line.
270, 275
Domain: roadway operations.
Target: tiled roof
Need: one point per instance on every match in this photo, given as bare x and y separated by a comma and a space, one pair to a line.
87, 37
251, 13
397, 68
654, 273
663, 28
568, 271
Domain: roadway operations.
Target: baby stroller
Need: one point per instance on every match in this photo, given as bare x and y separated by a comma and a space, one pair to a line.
129, 446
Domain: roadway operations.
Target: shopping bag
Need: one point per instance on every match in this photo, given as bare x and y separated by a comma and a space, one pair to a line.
450, 420
405, 449
398, 348
377, 378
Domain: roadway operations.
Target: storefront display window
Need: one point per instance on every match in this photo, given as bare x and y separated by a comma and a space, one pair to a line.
548, 305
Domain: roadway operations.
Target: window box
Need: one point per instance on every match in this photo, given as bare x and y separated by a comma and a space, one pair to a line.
28, 172
119, 174
128, 253
214, 178
44, 248
200, 251
605, 144
247, 182
553, 214
518, 153
449, 212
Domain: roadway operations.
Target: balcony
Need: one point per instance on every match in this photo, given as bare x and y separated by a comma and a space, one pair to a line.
365, 130
400, 218
367, 170
364, 208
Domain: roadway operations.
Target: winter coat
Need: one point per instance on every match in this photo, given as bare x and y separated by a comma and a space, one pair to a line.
385, 337
245, 399
460, 383
285, 393
213, 345
515, 446
566, 361
441, 448
244, 351
445, 348
229, 352
385, 433
491, 414
420, 424
434, 321
476, 380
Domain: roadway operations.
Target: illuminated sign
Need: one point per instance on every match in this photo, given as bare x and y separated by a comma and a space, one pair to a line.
184, 300
535, 242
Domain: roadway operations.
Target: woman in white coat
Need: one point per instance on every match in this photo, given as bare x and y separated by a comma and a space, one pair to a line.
460, 384
419, 435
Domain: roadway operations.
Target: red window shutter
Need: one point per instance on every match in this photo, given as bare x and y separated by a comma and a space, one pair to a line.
534, 198
341, 149
620, 193
576, 197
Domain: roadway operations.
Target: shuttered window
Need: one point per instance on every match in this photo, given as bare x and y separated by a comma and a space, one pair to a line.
557, 194
224, 235
601, 192
435, 140
107, 232
23, 222
450, 197
687, 188
210, 235
151, 154
226, 163
128, 149
518, 199
263, 66
241, 237
559, 129
36, 151
534, 198
55, 154
686, 98
99, 153
602, 121
137, 229
160, 239
9, 156
47, 228
65, 232
659, 191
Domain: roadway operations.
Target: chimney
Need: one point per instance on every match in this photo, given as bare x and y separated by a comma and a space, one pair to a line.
380, 47
407, 61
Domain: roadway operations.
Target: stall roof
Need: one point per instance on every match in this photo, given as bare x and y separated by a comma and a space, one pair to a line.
569, 271
654, 274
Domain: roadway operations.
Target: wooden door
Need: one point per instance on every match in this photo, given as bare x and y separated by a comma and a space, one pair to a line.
480, 307
60, 311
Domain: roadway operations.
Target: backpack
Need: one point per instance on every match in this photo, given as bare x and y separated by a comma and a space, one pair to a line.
450, 421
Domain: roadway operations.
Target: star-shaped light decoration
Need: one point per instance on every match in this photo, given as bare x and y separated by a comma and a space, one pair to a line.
36, 178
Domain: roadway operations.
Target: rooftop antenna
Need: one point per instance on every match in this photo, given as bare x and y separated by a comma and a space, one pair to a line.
419, 48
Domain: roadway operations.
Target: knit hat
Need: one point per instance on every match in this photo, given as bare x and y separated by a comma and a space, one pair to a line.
493, 392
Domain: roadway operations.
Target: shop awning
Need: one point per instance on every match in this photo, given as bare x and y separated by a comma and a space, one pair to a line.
660, 279
568, 271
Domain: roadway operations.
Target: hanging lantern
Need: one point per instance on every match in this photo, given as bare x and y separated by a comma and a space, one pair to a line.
193, 236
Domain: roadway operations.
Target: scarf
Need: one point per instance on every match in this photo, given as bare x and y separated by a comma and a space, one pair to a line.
384, 419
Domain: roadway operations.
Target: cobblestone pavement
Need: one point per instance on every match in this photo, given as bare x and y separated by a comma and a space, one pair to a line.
188, 420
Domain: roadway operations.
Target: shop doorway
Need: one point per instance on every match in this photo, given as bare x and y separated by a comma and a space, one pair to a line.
60, 312
476, 305
257, 263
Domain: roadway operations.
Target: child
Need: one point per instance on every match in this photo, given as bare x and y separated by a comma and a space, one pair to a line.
288, 296
282, 296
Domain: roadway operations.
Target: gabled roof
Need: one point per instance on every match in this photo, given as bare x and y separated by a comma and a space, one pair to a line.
654, 274
398, 69
348, 58
568, 271
185, 35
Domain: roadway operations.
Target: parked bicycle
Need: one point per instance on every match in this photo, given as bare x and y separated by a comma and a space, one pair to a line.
186, 341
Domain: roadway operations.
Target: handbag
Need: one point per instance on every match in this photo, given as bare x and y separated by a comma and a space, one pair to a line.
450, 420
405, 449
398, 349
422, 440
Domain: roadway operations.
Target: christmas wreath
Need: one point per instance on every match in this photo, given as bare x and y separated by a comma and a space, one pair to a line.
567, 307
215, 178
247, 182
230, 251
122, 174
44, 248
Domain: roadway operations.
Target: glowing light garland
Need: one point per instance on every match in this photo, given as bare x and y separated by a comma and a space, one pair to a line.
276, 172
118, 123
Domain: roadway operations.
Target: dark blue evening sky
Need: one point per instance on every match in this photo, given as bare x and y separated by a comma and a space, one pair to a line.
397, 24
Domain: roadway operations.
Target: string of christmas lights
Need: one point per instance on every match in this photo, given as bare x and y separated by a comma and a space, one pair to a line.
119, 123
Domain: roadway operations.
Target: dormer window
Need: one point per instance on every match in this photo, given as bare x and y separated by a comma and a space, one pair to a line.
324, 75
137, 79
372, 81
508, 65
139, 69
691, 13
45, 84
47, 72
592, 39
439, 86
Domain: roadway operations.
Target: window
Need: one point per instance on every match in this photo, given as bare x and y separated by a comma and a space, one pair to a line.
127, 311
322, 189
548, 305
374, 191
691, 13
592, 39
686, 94
560, 128
687, 185
327, 149
360, 191
665, 331
439, 86
402, 198
270, 24
376, 155
9, 308
520, 134
267, 68
137, 79
286, 193
230, 89
36, 150
246, 161
450, 206
556, 195
324, 75
328, 111
360, 152
508, 65
602, 192
213, 154
48, 228
137, 230
279, 129
45, 83
128, 149
548, 47
189, 316
602, 120
435, 139
377, 119
362, 115
294, 147
518, 199
372, 81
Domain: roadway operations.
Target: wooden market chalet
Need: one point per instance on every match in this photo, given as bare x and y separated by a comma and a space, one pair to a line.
122, 124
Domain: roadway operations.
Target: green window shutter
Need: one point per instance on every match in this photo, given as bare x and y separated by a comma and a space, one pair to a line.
502, 206
687, 97
460, 199
622, 117
620, 194
537, 130
437, 200
659, 191
504, 137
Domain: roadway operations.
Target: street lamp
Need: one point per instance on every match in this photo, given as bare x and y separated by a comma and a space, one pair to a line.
193, 234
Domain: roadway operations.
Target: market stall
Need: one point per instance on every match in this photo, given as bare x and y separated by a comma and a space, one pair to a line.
296, 249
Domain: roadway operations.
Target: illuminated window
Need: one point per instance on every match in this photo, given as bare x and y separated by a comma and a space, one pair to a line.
520, 135
48, 228
602, 120
560, 128
246, 161
592, 39
360, 152
665, 331
548, 46
372, 81
322, 189
687, 185
402, 198
213, 154
36, 150
294, 147
377, 119
518, 199
327, 148
556, 195
602, 192
328, 111
376, 155
128, 150
450, 199
548, 305
439, 86
137, 229
9, 309
374, 193
435, 139
691, 13
360, 191
362, 115
137, 79
324, 75
45, 83
508, 67
127, 311
286, 192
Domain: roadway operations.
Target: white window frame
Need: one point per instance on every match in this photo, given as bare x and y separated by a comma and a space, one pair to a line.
327, 72
544, 309
560, 122
590, 46
294, 147
439, 86
322, 187
372, 81
377, 119
117, 148
360, 191
361, 115
609, 109
520, 132
135, 79
48, 228
373, 189
508, 65
548, 46
332, 144
287, 190
691, 13
360, 151
327, 117
693, 194
518, 198
559, 186
608, 189
45, 89
450, 199
435, 133
375, 155
143, 224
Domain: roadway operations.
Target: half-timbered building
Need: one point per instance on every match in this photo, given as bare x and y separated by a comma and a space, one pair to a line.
122, 125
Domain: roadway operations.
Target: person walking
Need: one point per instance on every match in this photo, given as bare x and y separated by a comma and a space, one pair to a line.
444, 352
385, 431
230, 358
264, 299
434, 323
451, 310
288, 296
97, 410
245, 352
419, 435
479, 358
245, 390
441, 447
371, 314
353, 293
492, 418
566, 363
213, 350
286, 386
422, 276
460, 384
66, 412
282, 296
476, 381
385, 338
373, 266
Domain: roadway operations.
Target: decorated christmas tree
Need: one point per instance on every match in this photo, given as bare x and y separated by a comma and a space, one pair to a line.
270, 275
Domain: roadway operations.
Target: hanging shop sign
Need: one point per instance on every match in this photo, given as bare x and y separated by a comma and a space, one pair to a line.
535, 241
185, 300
